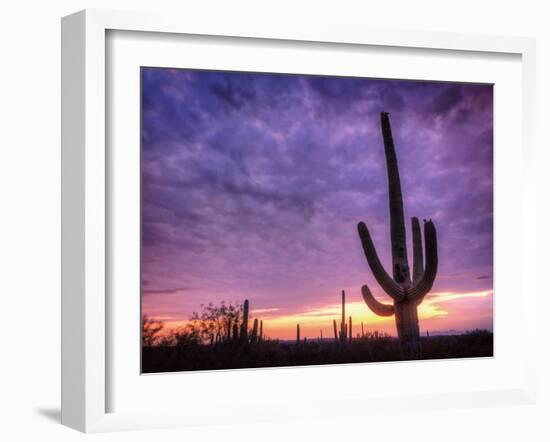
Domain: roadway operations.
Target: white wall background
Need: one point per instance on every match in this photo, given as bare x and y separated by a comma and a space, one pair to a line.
30, 216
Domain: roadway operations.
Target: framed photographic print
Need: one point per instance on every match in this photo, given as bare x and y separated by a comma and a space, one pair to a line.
284, 208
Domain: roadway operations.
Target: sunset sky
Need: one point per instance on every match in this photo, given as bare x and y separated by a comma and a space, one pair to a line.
253, 185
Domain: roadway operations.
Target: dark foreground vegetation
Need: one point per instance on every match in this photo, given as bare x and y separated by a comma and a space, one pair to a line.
186, 354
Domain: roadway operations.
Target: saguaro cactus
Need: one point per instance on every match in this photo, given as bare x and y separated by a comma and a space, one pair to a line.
343, 326
406, 293
244, 325
335, 330
261, 330
254, 336
350, 334
297, 333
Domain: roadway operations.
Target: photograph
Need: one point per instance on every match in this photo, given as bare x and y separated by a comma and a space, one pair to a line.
298, 220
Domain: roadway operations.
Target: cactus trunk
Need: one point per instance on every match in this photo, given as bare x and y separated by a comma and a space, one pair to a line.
261, 330
244, 325
335, 330
397, 221
362, 330
408, 331
254, 336
298, 333
350, 334
343, 331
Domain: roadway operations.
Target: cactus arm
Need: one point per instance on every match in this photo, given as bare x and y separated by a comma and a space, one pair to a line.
376, 306
382, 277
418, 262
424, 285
400, 265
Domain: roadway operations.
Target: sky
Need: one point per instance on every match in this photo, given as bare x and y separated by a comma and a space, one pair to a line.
253, 185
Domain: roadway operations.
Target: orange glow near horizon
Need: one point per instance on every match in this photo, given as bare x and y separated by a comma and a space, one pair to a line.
439, 312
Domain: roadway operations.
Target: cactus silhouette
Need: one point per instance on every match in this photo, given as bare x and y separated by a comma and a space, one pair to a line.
261, 330
350, 331
405, 292
297, 333
335, 330
254, 336
244, 325
343, 326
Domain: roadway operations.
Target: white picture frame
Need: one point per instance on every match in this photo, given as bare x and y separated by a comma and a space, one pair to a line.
86, 202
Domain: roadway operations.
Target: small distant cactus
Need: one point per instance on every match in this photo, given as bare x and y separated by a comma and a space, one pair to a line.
244, 325
335, 330
235, 331
407, 293
297, 333
254, 336
343, 327
261, 330
350, 334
